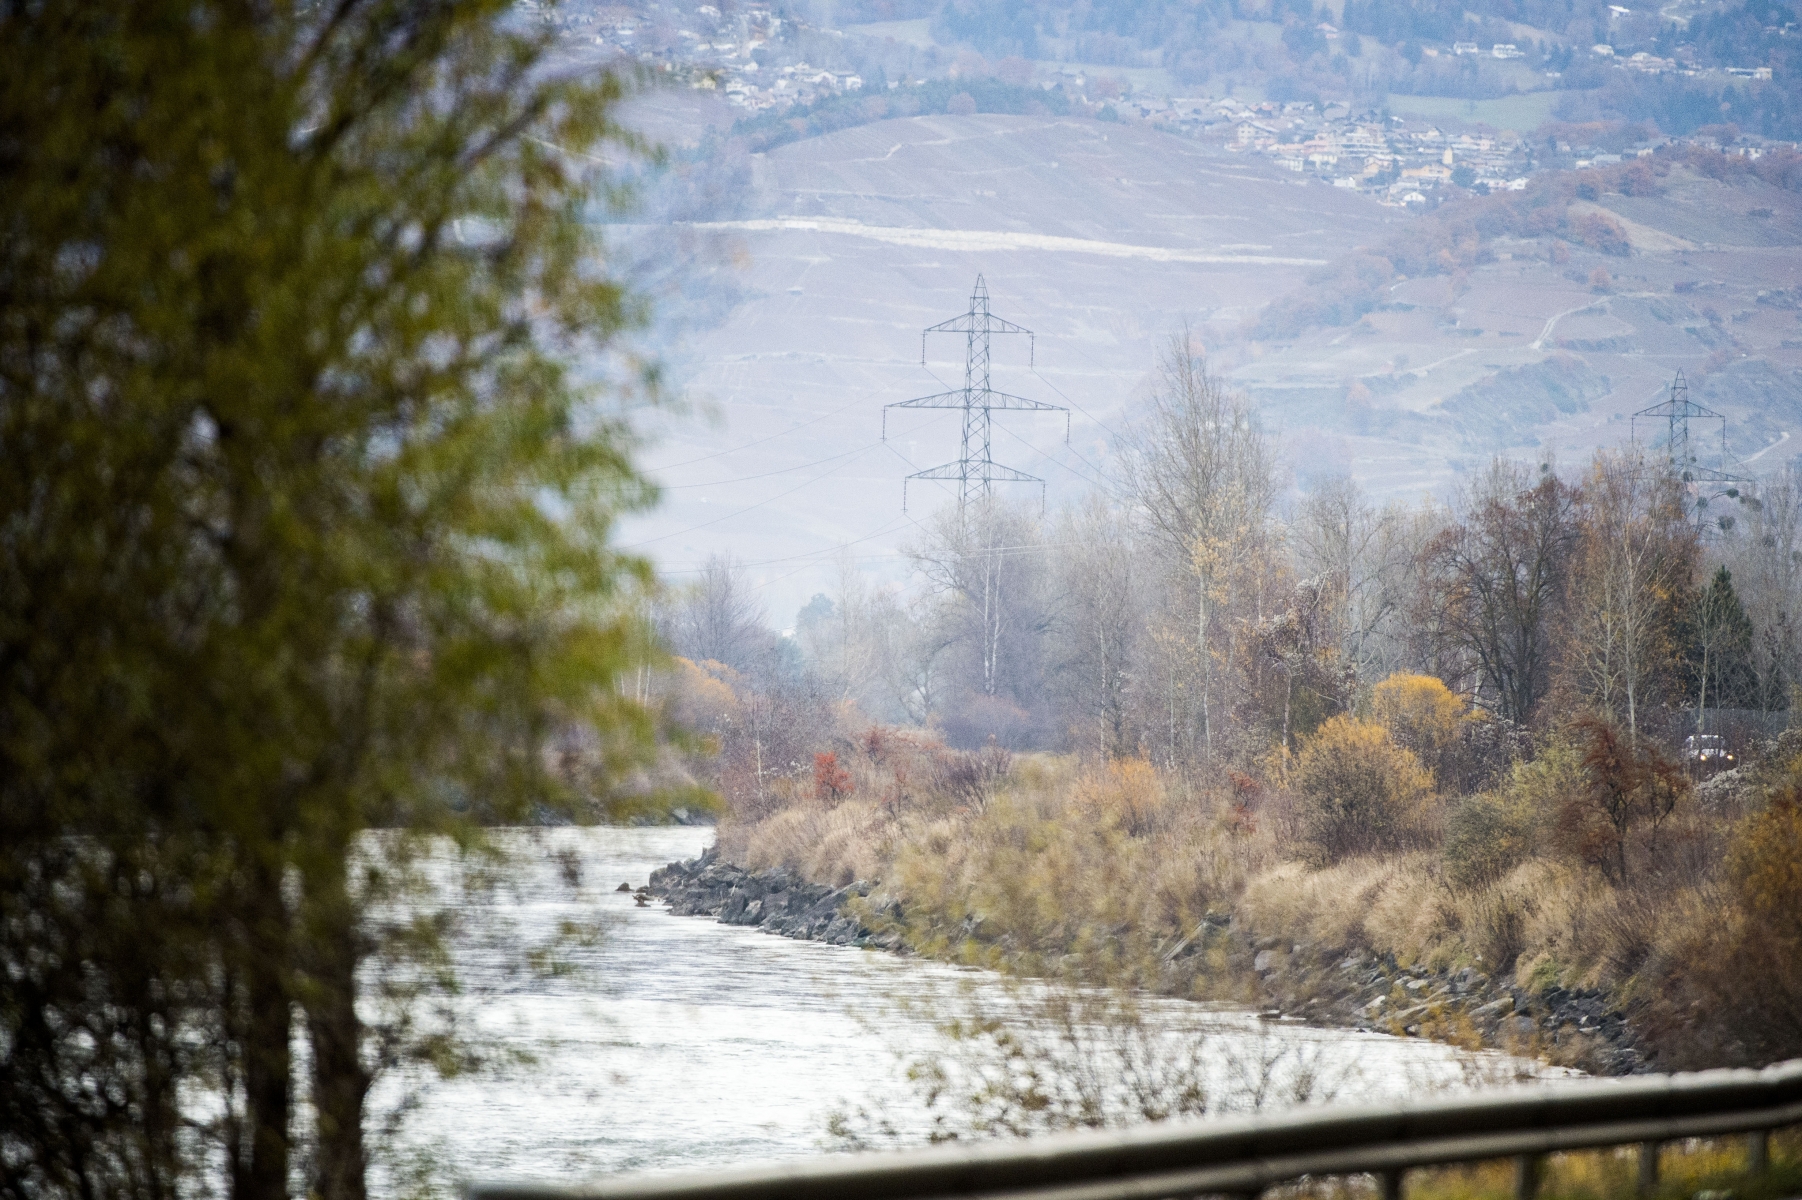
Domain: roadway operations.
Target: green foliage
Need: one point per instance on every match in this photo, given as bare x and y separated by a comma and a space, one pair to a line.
1540, 785
1720, 647
306, 533
1486, 836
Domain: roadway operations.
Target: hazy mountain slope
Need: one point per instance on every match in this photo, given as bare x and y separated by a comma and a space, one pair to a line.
1105, 240
1424, 389
904, 214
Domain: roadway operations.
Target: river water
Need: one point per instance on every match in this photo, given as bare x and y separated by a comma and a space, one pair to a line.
678, 1042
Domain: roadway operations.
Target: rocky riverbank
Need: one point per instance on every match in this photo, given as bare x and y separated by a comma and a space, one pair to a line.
1320, 985
778, 901
1580, 1028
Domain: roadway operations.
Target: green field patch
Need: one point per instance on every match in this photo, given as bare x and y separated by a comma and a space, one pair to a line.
1521, 113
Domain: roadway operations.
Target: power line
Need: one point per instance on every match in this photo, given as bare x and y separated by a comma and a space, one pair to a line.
1702, 482
1101, 483
808, 554
1073, 404
748, 508
760, 441
676, 487
1092, 482
1085, 412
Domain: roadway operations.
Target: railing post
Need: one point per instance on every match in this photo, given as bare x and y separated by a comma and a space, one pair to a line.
1758, 1152
1648, 1166
1527, 1168
1391, 1183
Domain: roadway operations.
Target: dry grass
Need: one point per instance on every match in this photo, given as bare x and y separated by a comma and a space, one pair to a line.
1686, 1170
828, 845
1048, 865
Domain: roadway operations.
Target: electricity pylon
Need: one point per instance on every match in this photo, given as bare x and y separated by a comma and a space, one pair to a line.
1702, 482
975, 470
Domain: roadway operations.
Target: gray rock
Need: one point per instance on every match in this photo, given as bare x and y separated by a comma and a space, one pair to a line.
778, 901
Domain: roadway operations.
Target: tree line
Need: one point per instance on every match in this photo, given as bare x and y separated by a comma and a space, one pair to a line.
1202, 710
1200, 615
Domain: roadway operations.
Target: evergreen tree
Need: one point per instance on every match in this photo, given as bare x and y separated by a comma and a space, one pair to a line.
1721, 649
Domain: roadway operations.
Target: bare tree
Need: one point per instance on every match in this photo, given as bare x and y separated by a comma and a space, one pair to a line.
855, 643
1096, 626
924, 668
1630, 574
985, 563
1499, 571
1364, 562
718, 619
1204, 472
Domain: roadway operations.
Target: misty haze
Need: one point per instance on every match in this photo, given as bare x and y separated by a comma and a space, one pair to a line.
908, 598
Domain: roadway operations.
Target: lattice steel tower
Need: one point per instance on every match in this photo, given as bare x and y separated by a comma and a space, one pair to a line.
1703, 483
1677, 412
975, 470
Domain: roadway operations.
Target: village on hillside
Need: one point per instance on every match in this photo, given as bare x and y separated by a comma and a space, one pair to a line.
749, 55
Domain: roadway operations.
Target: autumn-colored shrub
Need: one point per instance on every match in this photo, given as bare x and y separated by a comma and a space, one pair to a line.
1360, 792
1765, 881
831, 782
1421, 714
1126, 792
1486, 836
1629, 788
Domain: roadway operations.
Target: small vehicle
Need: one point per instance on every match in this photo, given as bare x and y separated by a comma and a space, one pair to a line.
1707, 749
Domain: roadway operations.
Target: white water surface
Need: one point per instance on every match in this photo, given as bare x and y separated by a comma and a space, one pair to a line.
684, 1043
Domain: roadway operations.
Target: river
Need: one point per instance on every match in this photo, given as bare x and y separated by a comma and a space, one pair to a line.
678, 1042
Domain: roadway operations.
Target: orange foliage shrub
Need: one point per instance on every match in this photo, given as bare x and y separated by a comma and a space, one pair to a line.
1127, 793
831, 782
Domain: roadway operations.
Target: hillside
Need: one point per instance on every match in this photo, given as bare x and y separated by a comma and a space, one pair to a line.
1528, 348
1102, 239
804, 311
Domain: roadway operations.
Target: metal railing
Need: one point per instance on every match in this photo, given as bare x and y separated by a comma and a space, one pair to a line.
1242, 1156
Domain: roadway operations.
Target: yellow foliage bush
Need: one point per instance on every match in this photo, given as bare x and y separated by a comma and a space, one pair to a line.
704, 696
1419, 711
1359, 791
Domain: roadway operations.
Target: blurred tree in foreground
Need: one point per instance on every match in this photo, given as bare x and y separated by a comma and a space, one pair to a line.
304, 532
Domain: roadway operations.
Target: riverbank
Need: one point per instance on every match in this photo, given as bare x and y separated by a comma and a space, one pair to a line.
1220, 960
1573, 1027
778, 901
